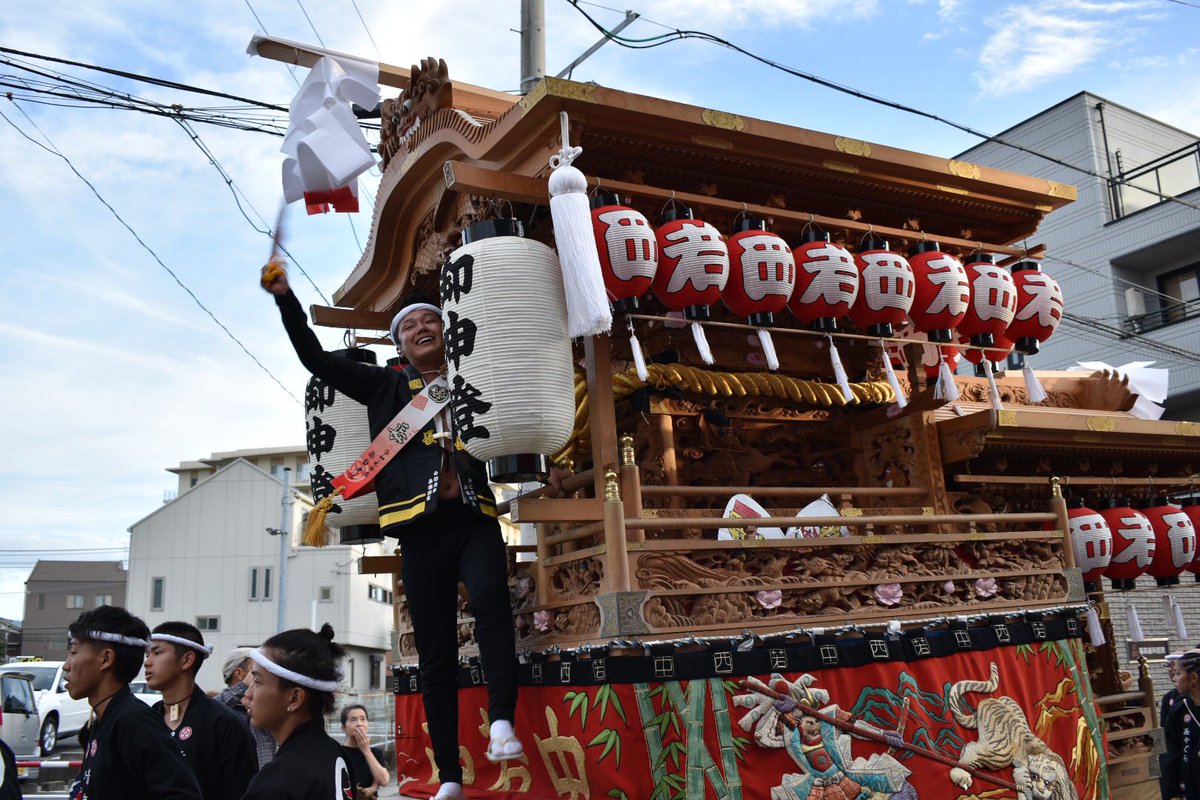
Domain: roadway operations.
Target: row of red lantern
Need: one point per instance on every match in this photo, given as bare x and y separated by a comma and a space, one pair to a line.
689, 266
1122, 543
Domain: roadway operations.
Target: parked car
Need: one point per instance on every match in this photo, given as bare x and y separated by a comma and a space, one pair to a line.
58, 714
144, 693
19, 715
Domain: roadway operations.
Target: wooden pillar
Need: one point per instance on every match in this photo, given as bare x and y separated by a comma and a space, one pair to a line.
631, 487
1059, 506
616, 556
540, 572
666, 440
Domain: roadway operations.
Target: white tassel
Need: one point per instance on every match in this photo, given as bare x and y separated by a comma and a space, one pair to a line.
639, 359
1136, 633
1095, 629
947, 383
993, 390
839, 371
1168, 619
588, 312
768, 346
1032, 385
702, 344
901, 400
1180, 626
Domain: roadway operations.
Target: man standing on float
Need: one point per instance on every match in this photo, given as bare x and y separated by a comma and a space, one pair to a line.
434, 498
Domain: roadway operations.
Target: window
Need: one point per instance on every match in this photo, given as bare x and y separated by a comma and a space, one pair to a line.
350, 672
325, 594
376, 668
157, 590
74, 601
41, 600
303, 471
379, 593
208, 623
1183, 286
193, 481
260, 583
103, 600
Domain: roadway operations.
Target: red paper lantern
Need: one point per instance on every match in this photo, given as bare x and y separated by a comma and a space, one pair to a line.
942, 292
886, 289
1133, 544
993, 301
827, 281
762, 273
1091, 541
627, 248
1192, 509
693, 264
1039, 307
1174, 541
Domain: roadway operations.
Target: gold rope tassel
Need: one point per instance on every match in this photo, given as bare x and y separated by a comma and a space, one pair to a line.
315, 534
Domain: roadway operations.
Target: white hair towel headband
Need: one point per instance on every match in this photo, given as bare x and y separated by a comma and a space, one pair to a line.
206, 649
261, 659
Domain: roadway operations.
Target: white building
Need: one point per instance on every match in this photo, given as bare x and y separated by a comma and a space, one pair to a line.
1132, 287
206, 557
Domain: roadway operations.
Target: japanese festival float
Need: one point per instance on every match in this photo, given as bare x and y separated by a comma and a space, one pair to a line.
799, 557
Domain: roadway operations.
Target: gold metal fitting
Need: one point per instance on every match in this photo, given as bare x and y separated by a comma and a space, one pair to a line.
627, 455
612, 489
1056, 489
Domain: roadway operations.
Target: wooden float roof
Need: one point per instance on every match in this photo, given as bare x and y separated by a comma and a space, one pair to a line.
650, 147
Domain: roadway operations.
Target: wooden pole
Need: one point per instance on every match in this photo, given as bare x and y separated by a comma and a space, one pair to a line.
631, 487
1059, 506
616, 566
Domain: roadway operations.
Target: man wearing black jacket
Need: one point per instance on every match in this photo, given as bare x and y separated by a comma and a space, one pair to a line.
129, 754
216, 744
435, 499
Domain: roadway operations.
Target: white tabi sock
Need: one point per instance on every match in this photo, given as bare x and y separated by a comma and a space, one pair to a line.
502, 731
450, 791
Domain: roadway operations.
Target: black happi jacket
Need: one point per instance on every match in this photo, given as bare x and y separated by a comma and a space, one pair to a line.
1181, 767
217, 745
130, 756
407, 487
308, 766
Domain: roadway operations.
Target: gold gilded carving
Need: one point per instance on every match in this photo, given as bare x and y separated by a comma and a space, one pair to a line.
557, 754
536, 93
1056, 189
561, 87
508, 771
840, 166
409, 160
963, 169
723, 119
1006, 418
951, 189
873, 540
1101, 424
712, 141
1045, 209
634, 547
851, 512
854, 147
1187, 428
1091, 438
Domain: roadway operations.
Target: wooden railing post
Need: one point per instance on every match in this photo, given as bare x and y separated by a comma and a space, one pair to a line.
631, 487
1059, 506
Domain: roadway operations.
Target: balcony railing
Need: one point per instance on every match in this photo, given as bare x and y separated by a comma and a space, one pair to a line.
1171, 175
1153, 320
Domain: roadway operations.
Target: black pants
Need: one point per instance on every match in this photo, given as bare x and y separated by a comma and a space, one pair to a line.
455, 543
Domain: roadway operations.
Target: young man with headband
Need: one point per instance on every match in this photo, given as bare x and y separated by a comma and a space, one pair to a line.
217, 745
435, 499
129, 754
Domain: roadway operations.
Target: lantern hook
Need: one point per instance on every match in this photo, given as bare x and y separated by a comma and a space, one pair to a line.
870, 232
670, 202
597, 188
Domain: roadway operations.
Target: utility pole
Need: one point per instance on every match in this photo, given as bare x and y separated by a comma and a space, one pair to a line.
285, 544
533, 43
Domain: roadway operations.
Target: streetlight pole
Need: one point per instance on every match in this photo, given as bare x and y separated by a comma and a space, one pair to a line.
285, 543
533, 43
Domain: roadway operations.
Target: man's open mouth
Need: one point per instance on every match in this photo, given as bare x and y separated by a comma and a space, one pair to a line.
425, 340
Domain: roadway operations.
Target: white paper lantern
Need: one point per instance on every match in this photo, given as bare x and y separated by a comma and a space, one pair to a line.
505, 325
336, 433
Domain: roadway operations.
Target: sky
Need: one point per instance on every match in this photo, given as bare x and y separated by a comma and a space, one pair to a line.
111, 371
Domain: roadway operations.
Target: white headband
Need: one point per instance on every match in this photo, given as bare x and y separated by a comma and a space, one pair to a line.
166, 637
116, 638
404, 312
261, 659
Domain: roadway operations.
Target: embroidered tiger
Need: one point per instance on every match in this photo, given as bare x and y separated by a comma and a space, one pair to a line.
1005, 739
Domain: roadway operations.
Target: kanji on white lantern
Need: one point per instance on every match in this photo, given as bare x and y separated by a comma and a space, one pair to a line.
993, 300
1091, 542
762, 275
693, 268
1175, 541
507, 349
886, 289
1133, 544
336, 433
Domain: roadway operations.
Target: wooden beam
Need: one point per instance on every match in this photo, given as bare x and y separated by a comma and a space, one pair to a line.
473, 179
547, 509
1154, 481
468, 97
374, 565
361, 318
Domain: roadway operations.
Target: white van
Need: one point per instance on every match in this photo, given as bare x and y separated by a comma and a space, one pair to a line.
59, 715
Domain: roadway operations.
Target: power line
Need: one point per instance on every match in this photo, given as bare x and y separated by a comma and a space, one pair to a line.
304, 11
365, 28
52, 149
680, 35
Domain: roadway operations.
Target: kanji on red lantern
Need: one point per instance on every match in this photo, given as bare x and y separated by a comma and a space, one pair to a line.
827, 282
941, 292
886, 289
1039, 307
993, 301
